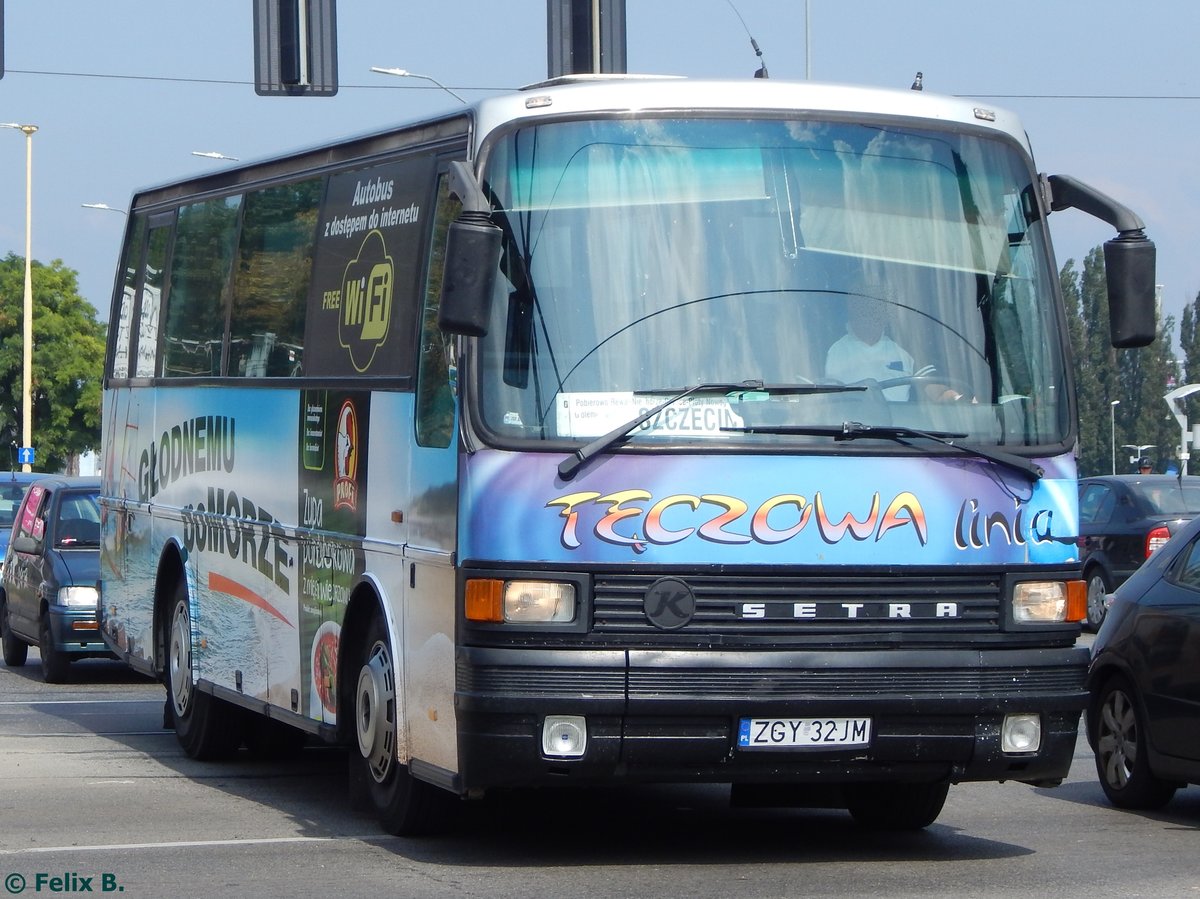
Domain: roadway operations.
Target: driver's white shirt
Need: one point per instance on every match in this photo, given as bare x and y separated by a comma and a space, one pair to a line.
850, 360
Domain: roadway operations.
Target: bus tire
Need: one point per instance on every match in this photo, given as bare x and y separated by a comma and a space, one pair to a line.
16, 650
206, 727
896, 806
403, 805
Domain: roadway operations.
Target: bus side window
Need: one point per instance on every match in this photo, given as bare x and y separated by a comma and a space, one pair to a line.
271, 279
435, 399
145, 359
123, 314
200, 262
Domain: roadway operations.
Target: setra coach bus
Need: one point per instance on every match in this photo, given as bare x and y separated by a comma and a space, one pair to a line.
616, 430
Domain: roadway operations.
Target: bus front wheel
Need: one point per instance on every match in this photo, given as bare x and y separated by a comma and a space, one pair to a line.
404, 805
206, 727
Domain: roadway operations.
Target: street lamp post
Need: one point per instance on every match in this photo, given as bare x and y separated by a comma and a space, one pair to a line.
1138, 450
27, 334
1112, 408
405, 73
103, 206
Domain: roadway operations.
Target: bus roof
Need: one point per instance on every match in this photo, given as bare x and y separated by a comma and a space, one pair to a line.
643, 93
618, 94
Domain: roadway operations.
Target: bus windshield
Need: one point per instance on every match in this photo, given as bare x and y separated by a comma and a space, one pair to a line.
643, 256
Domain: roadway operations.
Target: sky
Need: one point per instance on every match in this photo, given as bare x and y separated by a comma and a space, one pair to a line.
125, 91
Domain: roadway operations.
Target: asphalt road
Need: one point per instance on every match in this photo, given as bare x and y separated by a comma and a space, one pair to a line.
95, 797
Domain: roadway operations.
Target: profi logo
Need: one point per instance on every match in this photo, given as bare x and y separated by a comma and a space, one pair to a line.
367, 302
669, 603
345, 462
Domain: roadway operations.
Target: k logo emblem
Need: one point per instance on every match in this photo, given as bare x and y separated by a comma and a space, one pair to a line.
669, 603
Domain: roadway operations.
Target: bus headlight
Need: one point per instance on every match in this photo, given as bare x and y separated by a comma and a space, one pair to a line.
520, 601
1049, 602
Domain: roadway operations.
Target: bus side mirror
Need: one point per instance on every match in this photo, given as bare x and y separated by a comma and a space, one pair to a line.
473, 246
1129, 271
1128, 260
472, 258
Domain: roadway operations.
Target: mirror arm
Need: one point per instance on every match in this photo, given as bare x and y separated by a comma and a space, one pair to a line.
1067, 192
464, 185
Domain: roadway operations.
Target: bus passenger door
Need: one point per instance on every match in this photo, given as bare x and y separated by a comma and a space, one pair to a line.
432, 520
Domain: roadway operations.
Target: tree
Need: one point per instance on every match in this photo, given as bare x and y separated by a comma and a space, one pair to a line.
1086, 297
68, 361
1137, 378
1144, 375
1189, 347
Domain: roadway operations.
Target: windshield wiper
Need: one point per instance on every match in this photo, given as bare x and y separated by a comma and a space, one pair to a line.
852, 430
568, 468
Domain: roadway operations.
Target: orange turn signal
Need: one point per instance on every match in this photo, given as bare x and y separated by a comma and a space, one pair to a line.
1076, 600
484, 600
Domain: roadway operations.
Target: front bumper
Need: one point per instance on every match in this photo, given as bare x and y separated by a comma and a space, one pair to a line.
77, 631
672, 715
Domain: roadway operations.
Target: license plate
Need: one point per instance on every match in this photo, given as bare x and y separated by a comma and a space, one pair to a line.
803, 733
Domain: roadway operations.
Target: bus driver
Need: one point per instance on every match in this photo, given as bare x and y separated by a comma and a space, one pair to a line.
866, 352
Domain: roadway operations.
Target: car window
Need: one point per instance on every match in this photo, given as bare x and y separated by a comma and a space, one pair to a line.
33, 516
1171, 498
10, 499
1186, 570
1096, 504
78, 519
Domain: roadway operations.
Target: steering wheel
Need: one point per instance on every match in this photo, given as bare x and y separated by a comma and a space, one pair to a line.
964, 390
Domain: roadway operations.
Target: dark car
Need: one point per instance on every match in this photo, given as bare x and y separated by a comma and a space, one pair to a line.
1122, 520
48, 592
1143, 716
12, 490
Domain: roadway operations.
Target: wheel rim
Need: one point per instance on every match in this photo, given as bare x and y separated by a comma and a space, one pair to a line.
180, 658
1095, 598
1117, 739
375, 713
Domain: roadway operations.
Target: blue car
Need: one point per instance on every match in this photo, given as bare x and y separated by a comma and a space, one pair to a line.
48, 591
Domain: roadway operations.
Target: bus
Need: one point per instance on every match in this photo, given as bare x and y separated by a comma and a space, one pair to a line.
618, 430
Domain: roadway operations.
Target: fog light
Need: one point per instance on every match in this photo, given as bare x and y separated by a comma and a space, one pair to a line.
1021, 733
564, 736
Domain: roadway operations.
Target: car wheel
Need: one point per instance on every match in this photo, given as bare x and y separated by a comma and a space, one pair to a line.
896, 806
206, 727
1119, 738
16, 650
56, 665
1097, 594
404, 805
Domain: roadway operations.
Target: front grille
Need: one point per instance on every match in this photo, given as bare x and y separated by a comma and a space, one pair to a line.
765, 684
811, 605
810, 684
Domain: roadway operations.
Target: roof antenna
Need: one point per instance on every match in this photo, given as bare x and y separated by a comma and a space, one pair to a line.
919, 82
762, 63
